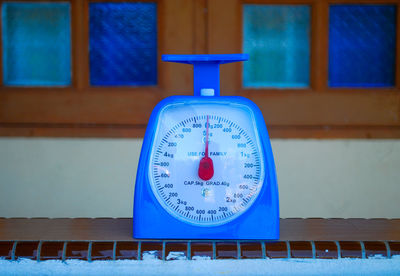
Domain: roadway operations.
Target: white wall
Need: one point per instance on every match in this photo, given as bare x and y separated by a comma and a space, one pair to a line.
95, 177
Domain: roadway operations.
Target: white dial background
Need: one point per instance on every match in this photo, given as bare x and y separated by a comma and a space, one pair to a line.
237, 157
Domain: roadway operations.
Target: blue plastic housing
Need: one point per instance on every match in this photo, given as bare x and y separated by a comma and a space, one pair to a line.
205, 68
259, 221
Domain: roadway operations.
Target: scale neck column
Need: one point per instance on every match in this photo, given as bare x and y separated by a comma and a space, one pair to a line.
205, 75
206, 69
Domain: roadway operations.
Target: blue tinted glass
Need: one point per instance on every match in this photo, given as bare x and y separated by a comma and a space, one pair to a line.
362, 41
36, 44
277, 38
123, 44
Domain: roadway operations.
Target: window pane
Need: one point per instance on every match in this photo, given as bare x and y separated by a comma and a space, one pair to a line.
362, 41
277, 38
123, 44
36, 44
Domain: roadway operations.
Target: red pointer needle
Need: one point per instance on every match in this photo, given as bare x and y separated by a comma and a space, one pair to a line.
206, 167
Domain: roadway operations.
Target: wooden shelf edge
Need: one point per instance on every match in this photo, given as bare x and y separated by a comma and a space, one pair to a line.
120, 229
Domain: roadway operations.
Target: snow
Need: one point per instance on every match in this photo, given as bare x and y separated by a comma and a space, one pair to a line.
176, 256
153, 266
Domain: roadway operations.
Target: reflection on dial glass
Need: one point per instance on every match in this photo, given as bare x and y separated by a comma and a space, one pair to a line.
180, 176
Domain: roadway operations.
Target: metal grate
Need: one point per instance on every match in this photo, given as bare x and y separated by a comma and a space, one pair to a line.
190, 250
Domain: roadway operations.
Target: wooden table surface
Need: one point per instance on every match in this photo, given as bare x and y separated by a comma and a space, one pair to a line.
120, 229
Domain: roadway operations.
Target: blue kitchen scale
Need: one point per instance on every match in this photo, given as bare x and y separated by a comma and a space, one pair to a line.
206, 169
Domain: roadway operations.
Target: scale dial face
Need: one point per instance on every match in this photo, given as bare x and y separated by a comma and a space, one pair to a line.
206, 163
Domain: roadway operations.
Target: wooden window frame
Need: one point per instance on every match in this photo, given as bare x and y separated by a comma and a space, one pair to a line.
84, 111
199, 27
318, 111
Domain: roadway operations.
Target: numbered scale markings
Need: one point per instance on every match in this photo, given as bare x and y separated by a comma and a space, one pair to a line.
206, 170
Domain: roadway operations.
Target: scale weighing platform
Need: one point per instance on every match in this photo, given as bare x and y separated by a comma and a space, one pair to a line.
206, 169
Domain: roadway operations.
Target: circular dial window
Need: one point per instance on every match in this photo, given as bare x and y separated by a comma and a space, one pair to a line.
207, 166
